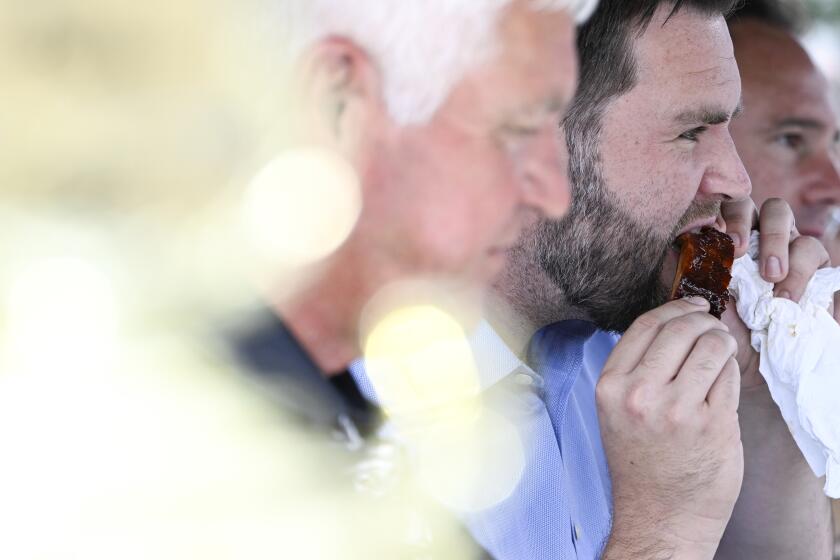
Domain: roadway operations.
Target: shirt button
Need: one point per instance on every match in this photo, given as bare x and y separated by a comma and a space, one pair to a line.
578, 532
524, 379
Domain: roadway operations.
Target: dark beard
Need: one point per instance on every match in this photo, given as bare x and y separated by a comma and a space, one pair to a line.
606, 263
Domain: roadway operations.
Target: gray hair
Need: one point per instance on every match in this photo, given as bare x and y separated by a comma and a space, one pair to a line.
423, 47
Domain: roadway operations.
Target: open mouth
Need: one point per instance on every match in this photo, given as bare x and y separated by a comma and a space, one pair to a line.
824, 223
669, 266
695, 227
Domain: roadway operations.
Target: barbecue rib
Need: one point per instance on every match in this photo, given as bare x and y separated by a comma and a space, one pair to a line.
705, 268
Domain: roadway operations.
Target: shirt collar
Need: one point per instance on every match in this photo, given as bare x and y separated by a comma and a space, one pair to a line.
551, 343
494, 358
494, 362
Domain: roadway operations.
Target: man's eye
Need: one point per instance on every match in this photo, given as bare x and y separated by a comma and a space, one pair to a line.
792, 140
835, 144
694, 134
520, 130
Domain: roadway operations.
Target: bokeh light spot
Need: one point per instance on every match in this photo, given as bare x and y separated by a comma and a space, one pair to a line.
420, 362
301, 207
472, 464
418, 357
61, 315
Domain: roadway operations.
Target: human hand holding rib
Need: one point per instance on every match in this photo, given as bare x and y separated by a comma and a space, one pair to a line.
667, 403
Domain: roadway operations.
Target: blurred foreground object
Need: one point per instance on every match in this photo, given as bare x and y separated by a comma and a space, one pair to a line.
424, 185
129, 134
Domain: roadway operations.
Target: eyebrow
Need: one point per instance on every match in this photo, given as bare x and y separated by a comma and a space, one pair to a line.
800, 122
557, 104
708, 115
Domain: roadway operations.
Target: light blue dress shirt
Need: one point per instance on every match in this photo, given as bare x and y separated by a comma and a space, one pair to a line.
561, 507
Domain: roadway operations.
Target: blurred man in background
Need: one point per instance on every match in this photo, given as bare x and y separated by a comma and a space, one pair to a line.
789, 141
789, 137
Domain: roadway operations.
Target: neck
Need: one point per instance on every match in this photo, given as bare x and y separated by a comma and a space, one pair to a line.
328, 342
324, 316
524, 300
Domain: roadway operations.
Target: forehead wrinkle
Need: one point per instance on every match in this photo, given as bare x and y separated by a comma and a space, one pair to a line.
713, 69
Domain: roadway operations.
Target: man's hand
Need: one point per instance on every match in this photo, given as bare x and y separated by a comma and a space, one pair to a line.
785, 258
667, 402
740, 218
777, 227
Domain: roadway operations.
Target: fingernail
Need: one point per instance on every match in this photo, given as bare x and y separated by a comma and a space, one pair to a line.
774, 267
784, 294
736, 239
696, 300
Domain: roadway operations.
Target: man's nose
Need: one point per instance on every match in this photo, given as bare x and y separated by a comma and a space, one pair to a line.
824, 188
726, 177
545, 176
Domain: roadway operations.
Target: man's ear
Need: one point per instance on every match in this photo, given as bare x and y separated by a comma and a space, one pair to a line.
345, 91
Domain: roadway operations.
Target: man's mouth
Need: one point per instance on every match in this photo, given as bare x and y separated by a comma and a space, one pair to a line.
669, 266
712, 221
504, 247
499, 251
819, 223
813, 232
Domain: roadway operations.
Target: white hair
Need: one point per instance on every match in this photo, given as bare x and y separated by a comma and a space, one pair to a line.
423, 47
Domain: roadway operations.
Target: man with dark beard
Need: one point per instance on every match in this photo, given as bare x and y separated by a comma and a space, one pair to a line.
634, 254
645, 456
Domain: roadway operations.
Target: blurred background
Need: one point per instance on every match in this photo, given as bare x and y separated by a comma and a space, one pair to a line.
823, 42
823, 38
131, 134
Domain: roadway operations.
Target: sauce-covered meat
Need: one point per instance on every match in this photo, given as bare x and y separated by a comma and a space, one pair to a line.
705, 268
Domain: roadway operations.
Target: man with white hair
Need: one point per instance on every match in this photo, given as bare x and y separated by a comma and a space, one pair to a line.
447, 113
452, 136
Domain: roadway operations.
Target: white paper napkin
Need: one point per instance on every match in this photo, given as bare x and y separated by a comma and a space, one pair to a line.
799, 346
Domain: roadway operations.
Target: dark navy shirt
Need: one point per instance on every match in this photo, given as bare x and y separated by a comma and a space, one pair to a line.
278, 362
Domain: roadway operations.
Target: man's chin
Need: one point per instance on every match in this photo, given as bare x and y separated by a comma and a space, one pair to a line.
625, 306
